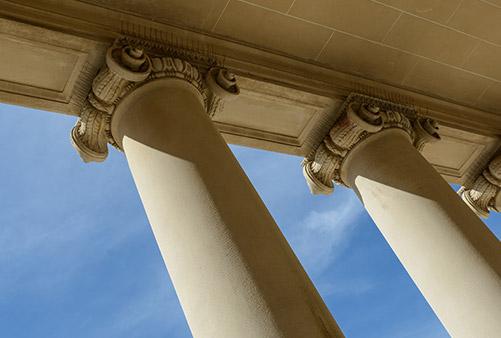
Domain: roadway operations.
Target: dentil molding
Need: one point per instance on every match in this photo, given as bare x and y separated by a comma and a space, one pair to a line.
131, 63
361, 117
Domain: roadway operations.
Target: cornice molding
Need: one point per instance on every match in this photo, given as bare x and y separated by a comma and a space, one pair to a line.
361, 117
102, 24
130, 64
484, 194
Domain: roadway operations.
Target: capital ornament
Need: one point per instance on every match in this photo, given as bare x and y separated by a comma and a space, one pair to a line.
484, 195
361, 117
130, 65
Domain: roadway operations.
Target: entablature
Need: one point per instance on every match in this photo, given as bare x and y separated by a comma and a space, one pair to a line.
286, 104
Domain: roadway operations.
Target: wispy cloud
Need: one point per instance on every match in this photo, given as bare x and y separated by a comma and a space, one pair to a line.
408, 329
77, 258
322, 235
318, 228
354, 287
154, 308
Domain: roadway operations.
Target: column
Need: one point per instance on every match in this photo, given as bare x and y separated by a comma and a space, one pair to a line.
452, 257
233, 271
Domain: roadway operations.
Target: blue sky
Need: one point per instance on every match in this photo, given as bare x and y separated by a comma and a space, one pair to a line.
78, 258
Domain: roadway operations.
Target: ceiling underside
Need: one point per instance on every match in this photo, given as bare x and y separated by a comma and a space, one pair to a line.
444, 48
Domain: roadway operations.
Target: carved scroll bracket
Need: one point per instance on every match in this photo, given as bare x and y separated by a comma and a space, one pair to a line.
131, 65
484, 195
223, 86
361, 117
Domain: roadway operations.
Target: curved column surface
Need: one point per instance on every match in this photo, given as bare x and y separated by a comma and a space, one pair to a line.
233, 270
450, 254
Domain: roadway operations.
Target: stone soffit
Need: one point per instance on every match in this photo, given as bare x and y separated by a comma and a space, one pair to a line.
51, 50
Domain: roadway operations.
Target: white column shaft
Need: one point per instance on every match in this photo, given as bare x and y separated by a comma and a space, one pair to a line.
233, 270
450, 254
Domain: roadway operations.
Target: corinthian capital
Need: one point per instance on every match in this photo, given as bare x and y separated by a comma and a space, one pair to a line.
130, 64
484, 194
361, 117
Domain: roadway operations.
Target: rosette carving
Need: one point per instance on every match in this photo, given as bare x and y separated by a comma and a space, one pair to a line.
484, 195
361, 117
126, 68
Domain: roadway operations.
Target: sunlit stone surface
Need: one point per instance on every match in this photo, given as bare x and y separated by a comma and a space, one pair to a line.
390, 99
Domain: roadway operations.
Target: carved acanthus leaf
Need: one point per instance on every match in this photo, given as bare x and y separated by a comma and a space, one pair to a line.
128, 67
173, 67
125, 67
484, 194
361, 117
89, 136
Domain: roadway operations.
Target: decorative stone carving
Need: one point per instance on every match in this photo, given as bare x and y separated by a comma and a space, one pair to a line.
129, 66
177, 68
361, 116
124, 66
426, 132
90, 134
223, 87
484, 194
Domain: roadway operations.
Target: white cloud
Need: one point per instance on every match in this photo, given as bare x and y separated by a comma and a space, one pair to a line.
353, 287
323, 235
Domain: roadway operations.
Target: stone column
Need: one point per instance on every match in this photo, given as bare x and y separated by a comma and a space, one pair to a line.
233, 271
449, 253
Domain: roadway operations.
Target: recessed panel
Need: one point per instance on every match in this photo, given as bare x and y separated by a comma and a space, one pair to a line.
451, 153
459, 154
46, 69
266, 114
272, 112
273, 117
29, 64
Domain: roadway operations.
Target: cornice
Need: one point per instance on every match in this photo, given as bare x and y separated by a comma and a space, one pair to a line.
131, 63
361, 117
243, 59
